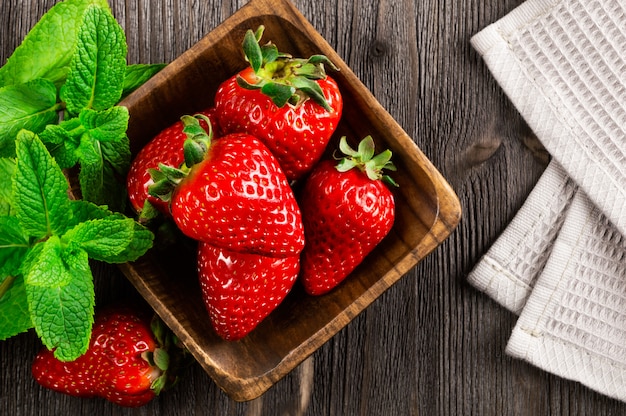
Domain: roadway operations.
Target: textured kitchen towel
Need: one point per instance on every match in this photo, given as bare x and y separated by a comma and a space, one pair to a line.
508, 271
561, 264
574, 321
563, 64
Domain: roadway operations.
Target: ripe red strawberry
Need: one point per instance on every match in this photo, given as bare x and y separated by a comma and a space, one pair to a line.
240, 290
346, 210
167, 148
234, 195
289, 104
119, 364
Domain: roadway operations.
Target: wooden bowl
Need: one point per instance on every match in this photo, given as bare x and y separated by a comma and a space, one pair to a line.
427, 208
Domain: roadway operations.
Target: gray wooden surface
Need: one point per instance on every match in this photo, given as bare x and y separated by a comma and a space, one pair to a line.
431, 345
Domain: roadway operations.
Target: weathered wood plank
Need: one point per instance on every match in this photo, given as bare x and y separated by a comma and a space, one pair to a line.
431, 345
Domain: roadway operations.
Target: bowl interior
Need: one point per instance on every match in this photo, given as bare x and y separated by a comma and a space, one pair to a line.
301, 323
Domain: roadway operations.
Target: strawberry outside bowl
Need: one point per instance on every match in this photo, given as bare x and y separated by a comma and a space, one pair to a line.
427, 209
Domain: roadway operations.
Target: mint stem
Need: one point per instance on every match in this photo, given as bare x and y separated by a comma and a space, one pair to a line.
6, 285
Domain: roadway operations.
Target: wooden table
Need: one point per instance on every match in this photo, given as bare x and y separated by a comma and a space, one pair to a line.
432, 344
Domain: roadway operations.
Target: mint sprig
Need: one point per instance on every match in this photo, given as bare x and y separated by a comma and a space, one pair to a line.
47, 49
59, 95
96, 72
40, 189
47, 245
69, 94
31, 105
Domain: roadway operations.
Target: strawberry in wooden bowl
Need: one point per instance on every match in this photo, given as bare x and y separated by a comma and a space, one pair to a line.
167, 148
347, 211
230, 196
289, 103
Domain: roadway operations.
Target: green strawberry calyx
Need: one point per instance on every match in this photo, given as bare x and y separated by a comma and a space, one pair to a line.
364, 159
283, 78
195, 148
168, 358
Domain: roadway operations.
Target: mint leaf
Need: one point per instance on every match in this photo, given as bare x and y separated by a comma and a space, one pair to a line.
67, 130
47, 49
103, 168
98, 140
63, 316
13, 245
84, 211
101, 238
116, 156
142, 240
91, 175
47, 268
96, 76
137, 74
106, 126
30, 106
7, 168
14, 314
62, 140
40, 195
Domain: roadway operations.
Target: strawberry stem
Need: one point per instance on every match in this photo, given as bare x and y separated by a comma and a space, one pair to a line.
198, 139
280, 76
148, 213
169, 357
364, 159
195, 148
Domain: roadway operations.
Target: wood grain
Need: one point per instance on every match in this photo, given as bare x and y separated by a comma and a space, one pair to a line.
431, 344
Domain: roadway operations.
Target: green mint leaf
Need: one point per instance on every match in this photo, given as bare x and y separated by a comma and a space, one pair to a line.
117, 156
117, 160
14, 313
30, 259
106, 126
98, 139
103, 167
13, 245
101, 238
7, 169
47, 49
84, 211
137, 74
91, 175
96, 75
40, 197
63, 316
141, 240
30, 106
62, 141
46, 267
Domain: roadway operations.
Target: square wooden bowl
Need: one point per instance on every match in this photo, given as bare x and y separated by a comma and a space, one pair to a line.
427, 208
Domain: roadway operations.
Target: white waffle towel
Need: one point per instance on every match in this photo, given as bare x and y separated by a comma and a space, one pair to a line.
561, 263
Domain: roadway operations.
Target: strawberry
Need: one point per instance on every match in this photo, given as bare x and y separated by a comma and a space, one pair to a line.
232, 194
119, 364
290, 104
167, 148
240, 290
346, 210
